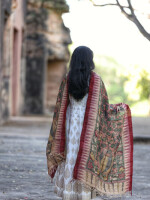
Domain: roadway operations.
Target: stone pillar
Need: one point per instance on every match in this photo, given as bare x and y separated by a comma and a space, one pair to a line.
17, 29
46, 54
35, 59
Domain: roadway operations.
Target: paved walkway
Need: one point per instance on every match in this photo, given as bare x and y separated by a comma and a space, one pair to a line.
23, 169
141, 129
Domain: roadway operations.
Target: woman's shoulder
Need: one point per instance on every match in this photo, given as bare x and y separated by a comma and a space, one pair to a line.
96, 75
93, 73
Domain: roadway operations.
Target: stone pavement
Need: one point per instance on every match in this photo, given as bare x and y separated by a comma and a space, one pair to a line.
141, 129
23, 168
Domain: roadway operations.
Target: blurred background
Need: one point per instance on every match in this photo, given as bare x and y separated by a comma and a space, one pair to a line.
34, 54
37, 38
120, 46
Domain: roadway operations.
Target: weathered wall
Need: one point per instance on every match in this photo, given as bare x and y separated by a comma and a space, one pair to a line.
47, 40
1, 33
35, 58
33, 55
12, 21
5, 9
17, 32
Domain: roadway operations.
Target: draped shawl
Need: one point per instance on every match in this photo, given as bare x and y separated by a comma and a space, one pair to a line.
105, 158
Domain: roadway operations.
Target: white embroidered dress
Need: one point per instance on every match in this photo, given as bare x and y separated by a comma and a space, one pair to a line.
74, 122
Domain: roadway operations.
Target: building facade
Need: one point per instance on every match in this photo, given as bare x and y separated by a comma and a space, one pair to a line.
33, 55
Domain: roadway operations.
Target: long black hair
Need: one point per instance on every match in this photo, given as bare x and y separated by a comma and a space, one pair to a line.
80, 67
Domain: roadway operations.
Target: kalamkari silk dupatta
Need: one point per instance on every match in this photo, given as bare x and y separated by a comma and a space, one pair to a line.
105, 158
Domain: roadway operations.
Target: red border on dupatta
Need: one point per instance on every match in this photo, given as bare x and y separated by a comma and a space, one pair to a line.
131, 144
63, 135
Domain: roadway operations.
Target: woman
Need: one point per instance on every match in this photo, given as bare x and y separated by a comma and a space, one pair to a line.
90, 146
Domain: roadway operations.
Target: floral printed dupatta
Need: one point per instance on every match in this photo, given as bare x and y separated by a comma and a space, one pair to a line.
105, 158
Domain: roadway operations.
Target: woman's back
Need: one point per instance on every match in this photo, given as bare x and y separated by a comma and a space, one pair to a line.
74, 122
107, 137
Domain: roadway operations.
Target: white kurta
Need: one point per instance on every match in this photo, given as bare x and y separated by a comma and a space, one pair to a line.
74, 122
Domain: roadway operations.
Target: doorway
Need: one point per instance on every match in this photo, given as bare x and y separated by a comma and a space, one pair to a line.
54, 75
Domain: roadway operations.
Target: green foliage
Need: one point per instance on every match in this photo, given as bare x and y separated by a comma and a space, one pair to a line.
138, 88
144, 85
127, 84
109, 70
